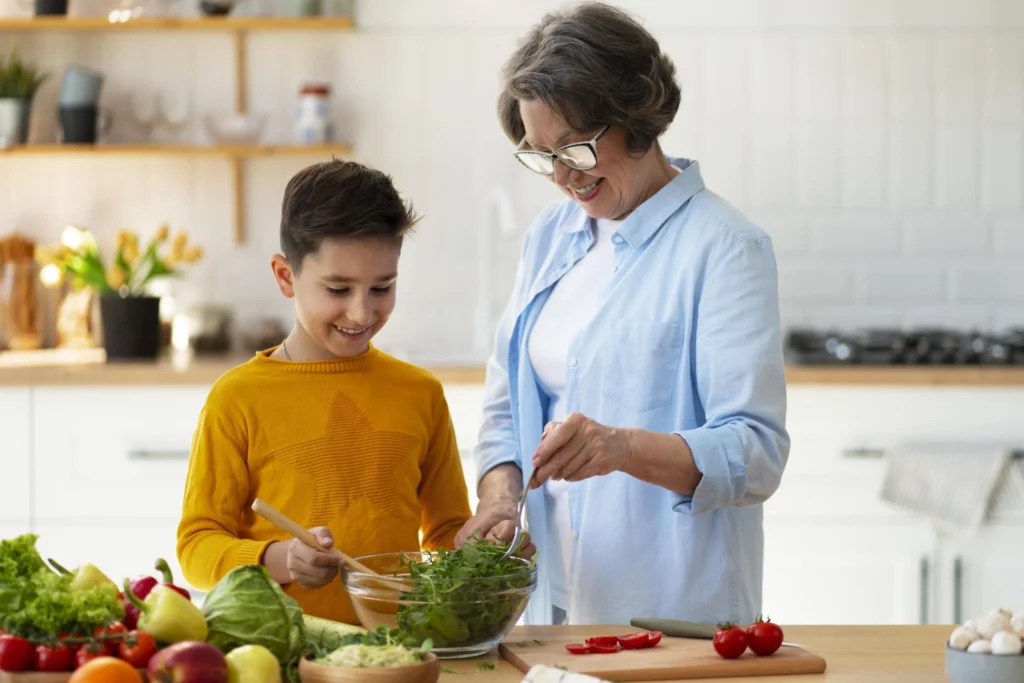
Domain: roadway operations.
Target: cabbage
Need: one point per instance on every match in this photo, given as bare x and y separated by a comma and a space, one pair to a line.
247, 607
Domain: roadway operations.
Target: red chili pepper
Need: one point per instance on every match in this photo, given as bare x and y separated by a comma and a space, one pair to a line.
138, 649
15, 653
603, 641
165, 569
604, 649
634, 641
578, 648
56, 658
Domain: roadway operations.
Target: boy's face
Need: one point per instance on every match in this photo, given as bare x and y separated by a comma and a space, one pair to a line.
343, 294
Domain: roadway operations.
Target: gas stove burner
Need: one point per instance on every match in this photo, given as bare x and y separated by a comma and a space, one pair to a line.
924, 346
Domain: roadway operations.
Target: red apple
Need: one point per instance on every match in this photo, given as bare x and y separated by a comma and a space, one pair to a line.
188, 662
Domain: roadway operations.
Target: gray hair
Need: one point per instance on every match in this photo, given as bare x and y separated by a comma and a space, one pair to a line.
593, 65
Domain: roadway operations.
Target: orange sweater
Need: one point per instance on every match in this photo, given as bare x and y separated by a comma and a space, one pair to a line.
363, 446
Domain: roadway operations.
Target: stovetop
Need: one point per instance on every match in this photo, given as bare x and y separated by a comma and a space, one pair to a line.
879, 346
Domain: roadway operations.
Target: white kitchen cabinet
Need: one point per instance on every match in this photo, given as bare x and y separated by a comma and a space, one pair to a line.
112, 453
854, 573
980, 573
9, 531
15, 454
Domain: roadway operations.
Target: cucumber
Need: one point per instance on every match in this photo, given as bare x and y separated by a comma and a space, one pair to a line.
328, 634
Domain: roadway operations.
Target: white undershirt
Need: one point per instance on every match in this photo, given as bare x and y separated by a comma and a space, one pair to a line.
570, 307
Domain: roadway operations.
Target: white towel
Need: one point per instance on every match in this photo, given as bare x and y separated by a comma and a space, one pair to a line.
953, 484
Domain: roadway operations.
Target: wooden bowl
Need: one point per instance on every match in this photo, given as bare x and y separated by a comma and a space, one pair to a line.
427, 671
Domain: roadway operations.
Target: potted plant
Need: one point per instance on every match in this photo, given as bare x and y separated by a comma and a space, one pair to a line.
19, 82
129, 317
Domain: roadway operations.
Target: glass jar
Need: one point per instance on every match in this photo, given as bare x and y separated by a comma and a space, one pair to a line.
313, 115
20, 305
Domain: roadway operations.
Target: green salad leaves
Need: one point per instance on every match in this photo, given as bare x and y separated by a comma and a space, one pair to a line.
39, 604
463, 597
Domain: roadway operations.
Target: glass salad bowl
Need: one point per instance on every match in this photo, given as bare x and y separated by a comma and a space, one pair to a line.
465, 609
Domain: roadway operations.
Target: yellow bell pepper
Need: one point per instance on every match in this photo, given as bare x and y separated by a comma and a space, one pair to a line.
168, 616
89, 576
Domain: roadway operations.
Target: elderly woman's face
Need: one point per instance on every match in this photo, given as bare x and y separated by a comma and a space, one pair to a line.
611, 189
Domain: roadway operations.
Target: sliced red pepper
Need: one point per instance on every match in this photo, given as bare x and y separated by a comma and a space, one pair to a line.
604, 641
653, 638
634, 641
605, 649
578, 648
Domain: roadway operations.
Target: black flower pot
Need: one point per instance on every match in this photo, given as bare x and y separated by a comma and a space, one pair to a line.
131, 326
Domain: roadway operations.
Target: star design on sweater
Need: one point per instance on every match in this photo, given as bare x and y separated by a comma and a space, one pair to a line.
351, 460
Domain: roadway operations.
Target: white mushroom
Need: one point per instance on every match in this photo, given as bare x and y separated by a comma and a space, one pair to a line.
1006, 643
980, 647
962, 637
1017, 624
992, 623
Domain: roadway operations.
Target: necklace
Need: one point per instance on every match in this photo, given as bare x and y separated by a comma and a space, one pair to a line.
284, 347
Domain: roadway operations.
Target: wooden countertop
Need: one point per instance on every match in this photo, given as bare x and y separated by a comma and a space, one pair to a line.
85, 368
854, 654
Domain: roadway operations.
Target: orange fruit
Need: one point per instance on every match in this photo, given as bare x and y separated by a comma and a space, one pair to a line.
106, 670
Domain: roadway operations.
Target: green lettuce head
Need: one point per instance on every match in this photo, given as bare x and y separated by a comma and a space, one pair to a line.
247, 607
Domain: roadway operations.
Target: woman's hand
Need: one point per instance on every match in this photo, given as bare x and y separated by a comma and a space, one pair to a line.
495, 518
579, 448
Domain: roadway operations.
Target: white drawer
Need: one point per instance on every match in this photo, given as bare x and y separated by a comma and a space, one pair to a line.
15, 454
113, 453
121, 550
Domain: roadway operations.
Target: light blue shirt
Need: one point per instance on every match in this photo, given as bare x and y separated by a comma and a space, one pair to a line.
687, 340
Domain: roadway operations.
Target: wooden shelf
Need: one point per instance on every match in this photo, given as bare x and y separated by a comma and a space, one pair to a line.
240, 24
238, 151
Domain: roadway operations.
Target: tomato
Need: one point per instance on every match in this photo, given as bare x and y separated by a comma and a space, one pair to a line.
634, 641
604, 641
89, 652
578, 648
138, 649
15, 653
764, 637
112, 644
730, 641
55, 658
604, 649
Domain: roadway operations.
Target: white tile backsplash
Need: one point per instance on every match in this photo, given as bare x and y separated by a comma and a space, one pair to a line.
880, 142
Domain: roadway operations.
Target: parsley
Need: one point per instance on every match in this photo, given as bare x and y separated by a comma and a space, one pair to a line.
446, 670
485, 666
465, 596
538, 642
523, 643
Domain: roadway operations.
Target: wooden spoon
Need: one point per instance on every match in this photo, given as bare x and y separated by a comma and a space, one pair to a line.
287, 525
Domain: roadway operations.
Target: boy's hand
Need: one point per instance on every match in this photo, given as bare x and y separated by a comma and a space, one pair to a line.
294, 561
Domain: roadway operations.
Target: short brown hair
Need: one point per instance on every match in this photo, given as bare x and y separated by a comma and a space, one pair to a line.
593, 65
340, 199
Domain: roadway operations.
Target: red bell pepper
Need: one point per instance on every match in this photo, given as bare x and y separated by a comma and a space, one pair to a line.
163, 568
141, 588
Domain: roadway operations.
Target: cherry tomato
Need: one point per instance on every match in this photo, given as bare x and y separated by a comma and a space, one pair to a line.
634, 641
138, 649
764, 637
604, 649
55, 658
89, 652
730, 641
15, 653
604, 641
578, 648
112, 644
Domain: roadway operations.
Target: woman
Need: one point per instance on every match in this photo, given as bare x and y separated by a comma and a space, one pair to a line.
642, 341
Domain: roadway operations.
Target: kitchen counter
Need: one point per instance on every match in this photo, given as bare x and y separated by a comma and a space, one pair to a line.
854, 654
86, 368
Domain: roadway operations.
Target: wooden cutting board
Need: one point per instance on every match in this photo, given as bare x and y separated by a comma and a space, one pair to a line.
673, 658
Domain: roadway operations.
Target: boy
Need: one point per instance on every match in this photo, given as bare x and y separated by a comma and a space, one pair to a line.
344, 439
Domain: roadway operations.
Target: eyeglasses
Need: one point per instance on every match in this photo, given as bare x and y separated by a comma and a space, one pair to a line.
579, 156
